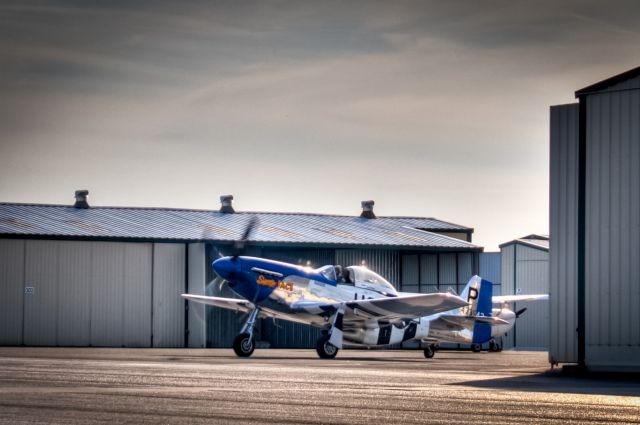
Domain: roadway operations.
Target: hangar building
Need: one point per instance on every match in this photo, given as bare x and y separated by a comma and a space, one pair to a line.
525, 270
595, 226
79, 275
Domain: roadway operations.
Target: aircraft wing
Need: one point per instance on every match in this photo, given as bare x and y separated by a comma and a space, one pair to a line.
234, 304
499, 299
228, 303
399, 308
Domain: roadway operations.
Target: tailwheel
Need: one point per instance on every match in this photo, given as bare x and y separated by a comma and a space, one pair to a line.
429, 351
243, 345
493, 345
325, 349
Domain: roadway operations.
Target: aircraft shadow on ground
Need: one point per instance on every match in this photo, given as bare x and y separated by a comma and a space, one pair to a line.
558, 382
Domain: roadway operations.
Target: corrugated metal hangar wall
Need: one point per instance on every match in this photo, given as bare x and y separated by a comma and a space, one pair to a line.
525, 270
112, 276
595, 225
85, 293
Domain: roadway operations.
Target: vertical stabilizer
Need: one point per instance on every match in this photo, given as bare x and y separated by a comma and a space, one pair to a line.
478, 293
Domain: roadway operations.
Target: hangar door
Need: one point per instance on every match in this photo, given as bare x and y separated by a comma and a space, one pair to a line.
439, 272
82, 293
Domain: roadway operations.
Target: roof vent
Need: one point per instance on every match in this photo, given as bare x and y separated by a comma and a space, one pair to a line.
81, 199
225, 204
367, 209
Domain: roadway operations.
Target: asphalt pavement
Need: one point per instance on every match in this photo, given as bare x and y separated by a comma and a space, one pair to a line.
105, 385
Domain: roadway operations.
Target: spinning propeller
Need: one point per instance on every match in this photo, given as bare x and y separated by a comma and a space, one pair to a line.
519, 312
238, 248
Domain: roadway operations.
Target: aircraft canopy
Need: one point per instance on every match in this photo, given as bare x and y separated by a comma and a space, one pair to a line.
363, 275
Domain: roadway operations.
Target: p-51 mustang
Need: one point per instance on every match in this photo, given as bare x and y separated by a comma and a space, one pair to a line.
353, 305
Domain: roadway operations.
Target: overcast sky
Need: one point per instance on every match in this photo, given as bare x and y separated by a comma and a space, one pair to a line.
431, 108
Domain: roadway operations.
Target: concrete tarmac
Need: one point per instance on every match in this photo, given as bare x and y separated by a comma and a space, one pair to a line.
102, 385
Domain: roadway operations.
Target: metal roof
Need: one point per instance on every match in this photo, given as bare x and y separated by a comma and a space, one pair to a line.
534, 241
606, 83
38, 220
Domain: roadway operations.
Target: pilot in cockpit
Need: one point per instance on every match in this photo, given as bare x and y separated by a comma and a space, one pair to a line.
343, 275
339, 276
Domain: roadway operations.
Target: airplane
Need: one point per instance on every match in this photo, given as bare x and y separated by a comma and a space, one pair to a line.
353, 306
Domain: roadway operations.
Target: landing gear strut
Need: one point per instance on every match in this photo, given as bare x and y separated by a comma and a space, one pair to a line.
325, 349
243, 344
429, 351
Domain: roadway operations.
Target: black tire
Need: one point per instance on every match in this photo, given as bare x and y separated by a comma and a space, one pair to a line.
493, 346
243, 345
429, 351
325, 349
476, 348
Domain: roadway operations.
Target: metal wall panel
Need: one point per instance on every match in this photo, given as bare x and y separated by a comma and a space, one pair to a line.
169, 281
508, 282
428, 270
11, 290
447, 272
74, 296
137, 294
222, 327
525, 270
107, 294
491, 268
465, 268
612, 238
196, 283
40, 307
410, 272
532, 277
563, 241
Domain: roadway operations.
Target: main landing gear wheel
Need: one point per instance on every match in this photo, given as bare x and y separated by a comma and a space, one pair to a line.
243, 345
325, 349
476, 348
429, 351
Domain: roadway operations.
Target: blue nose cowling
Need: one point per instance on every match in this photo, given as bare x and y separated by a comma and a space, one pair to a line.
225, 267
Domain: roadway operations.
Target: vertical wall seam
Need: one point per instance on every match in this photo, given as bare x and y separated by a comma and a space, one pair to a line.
24, 278
153, 284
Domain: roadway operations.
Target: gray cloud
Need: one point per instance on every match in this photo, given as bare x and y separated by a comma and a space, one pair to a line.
431, 105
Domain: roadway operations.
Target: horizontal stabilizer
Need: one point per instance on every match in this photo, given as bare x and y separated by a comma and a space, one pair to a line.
469, 321
500, 299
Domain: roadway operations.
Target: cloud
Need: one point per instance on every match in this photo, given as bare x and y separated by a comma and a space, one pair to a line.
437, 104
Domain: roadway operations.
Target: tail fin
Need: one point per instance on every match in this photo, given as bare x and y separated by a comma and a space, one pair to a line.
478, 293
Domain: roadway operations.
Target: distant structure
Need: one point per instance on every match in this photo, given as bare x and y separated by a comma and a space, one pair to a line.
595, 227
525, 270
85, 275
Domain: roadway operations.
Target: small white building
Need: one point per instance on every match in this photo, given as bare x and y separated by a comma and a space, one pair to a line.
525, 270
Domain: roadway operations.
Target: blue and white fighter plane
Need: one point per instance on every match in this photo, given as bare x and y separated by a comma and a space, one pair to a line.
354, 305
